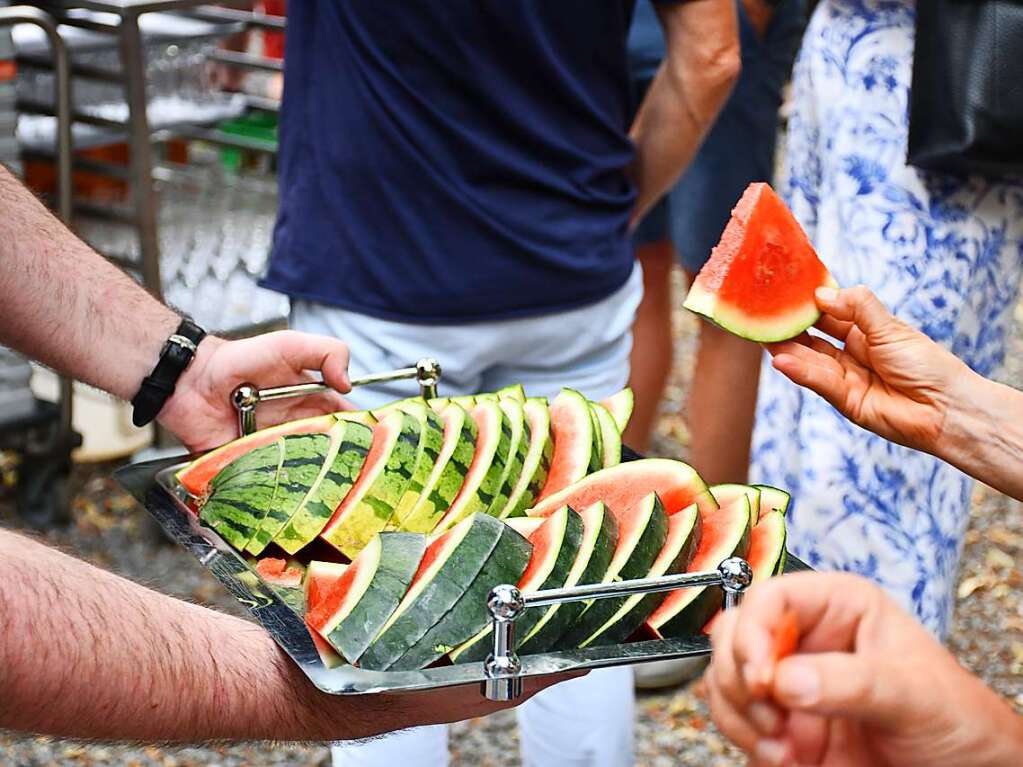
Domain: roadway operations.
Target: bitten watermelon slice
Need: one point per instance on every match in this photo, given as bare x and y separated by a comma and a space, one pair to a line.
597, 547
684, 531
449, 472
611, 438
726, 533
518, 446
760, 279
728, 493
356, 607
772, 499
555, 541
446, 603
431, 441
620, 407
766, 552
196, 477
538, 458
368, 507
621, 487
642, 531
486, 473
572, 429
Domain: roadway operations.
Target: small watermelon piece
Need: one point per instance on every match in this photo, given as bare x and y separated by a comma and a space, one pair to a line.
728, 493
773, 499
555, 541
486, 476
351, 613
572, 430
599, 541
370, 503
281, 572
611, 438
320, 578
726, 533
237, 507
449, 472
518, 447
620, 407
766, 552
196, 477
537, 461
431, 441
446, 602
342, 466
642, 531
621, 487
679, 548
760, 279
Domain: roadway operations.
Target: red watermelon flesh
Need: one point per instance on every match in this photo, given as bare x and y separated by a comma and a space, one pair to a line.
760, 279
196, 477
572, 429
280, 572
622, 487
320, 578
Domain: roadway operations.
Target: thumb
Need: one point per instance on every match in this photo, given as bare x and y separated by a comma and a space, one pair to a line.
857, 305
840, 684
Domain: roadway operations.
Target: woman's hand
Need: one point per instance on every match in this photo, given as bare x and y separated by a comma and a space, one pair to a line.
889, 378
867, 686
201, 414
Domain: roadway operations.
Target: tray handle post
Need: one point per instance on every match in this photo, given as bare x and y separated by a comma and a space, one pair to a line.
502, 667
247, 397
736, 577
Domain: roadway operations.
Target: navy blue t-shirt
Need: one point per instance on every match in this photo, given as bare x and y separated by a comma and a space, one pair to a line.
454, 160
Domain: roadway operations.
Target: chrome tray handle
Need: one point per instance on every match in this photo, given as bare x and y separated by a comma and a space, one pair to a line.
246, 397
506, 603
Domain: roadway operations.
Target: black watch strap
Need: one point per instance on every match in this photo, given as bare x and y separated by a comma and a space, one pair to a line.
158, 386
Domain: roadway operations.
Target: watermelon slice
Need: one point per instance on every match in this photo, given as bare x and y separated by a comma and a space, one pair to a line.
449, 471
515, 392
597, 547
281, 572
364, 417
728, 493
620, 407
772, 499
597, 454
642, 531
766, 552
537, 461
611, 438
238, 504
368, 507
328, 657
431, 441
760, 279
518, 447
621, 487
679, 548
342, 465
573, 442
320, 577
351, 613
446, 603
486, 473
196, 477
555, 541
726, 533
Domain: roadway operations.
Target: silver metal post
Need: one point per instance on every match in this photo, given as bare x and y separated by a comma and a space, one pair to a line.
428, 375
502, 667
736, 576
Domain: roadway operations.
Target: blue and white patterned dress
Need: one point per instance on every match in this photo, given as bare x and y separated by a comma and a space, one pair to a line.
943, 253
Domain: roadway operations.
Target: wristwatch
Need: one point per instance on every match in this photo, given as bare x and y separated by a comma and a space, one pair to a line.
158, 386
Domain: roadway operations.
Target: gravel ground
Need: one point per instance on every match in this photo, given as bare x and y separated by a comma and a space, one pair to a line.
673, 726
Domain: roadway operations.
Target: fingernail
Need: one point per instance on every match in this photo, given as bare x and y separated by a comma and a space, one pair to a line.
827, 295
752, 675
770, 751
765, 717
798, 682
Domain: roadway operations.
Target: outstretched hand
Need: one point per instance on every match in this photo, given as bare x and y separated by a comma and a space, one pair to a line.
201, 414
888, 378
867, 686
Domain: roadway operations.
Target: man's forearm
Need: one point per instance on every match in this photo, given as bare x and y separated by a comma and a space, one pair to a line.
690, 88
69, 307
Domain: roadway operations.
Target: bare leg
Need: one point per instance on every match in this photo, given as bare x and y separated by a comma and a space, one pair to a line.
722, 400
651, 342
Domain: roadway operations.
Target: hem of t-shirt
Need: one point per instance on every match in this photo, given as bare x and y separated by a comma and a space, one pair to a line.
461, 319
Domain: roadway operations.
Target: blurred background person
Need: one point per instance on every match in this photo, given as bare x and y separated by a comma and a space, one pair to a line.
943, 252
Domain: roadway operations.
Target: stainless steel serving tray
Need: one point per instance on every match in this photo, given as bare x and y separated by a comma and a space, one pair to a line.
153, 483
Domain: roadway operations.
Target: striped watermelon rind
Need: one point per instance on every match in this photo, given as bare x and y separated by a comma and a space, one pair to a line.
518, 447
351, 614
597, 454
728, 493
772, 499
611, 438
431, 439
597, 547
538, 458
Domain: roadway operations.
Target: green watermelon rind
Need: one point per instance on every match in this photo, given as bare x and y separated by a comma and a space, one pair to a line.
236, 508
773, 498
538, 458
431, 439
620, 405
518, 449
611, 438
726, 493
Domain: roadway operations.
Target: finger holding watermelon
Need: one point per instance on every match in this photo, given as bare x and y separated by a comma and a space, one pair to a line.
865, 685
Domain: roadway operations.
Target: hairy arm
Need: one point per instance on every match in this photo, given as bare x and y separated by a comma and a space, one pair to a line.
699, 69
87, 654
